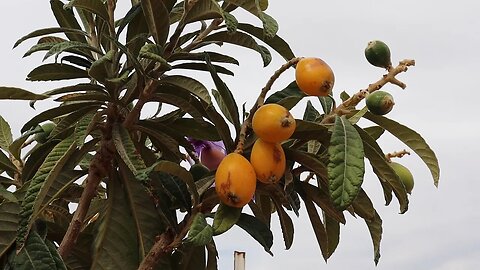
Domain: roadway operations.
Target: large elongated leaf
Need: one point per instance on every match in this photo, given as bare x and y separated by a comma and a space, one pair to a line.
346, 166
191, 85
55, 72
156, 15
214, 57
412, 139
318, 228
9, 218
126, 149
69, 46
332, 227
276, 42
47, 31
194, 129
100, 69
66, 19
203, 10
40, 185
241, 39
320, 197
225, 98
14, 93
202, 67
5, 134
144, 214
225, 217
116, 242
258, 230
287, 97
383, 170
5, 163
200, 232
55, 112
96, 7
285, 223
38, 255
375, 228
270, 26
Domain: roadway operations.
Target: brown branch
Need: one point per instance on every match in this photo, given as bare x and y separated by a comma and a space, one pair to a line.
260, 101
99, 168
134, 115
396, 154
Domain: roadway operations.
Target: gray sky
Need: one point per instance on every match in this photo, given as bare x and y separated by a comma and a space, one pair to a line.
440, 230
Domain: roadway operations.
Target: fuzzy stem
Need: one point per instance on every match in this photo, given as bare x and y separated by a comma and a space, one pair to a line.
260, 101
354, 100
396, 154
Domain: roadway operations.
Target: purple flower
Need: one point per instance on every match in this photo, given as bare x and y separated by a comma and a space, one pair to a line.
210, 153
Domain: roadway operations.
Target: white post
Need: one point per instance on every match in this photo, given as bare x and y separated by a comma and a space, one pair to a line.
239, 260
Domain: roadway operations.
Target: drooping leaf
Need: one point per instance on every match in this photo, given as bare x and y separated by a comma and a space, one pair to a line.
285, 223
311, 114
308, 160
332, 227
55, 72
77, 60
241, 39
194, 129
230, 21
225, 217
116, 242
412, 139
83, 128
40, 185
7, 195
203, 10
202, 67
66, 19
225, 98
321, 198
306, 130
222, 127
81, 87
389, 179
69, 46
96, 7
363, 206
56, 112
156, 15
375, 228
47, 31
258, 230
214, 57
189, 84
126, 149
276, 42
270, 26
9, 218
5, 134
346, 165
154, 52
6, 164
327, 104
318, 228
287, 97
201, 232
375, 131
145, 216
14, 93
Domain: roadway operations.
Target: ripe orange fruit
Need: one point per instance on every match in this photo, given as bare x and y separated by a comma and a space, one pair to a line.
314, 77
235, 180
273, 123
268, 160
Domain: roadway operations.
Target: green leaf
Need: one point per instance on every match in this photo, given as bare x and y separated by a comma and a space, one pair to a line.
116, 242
311, 114
37, 255
47, 31
288, 97
6, 164
306, 130
81, 87
270, 26
214, 57
327, 104
14, 93
200, 232
69, 46
40, 185
225, 217
375, 131
100, 69
276, 42
66, 19
5, 133
383, 170
308, 160
285, 223
126, 149
225, 98
357, 116
321, 198
363, 206
189, 84
258, 230
56, 72
56, 112
142, 207
318, 228
230, 21
156, 15
241, 39
332, 227
375, 228
96, 7
77, 60
203, 10
154, 52
412, 139
9, 218
222, 128
197, 130
346, 166
202, 67
83, 127
7, 195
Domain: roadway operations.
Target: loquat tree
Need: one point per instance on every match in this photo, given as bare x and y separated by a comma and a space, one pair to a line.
152, 192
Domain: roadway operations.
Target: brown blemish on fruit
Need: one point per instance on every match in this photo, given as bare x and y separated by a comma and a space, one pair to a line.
277, 155
287, 120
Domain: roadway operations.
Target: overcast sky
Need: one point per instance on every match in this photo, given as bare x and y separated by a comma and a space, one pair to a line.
440, 230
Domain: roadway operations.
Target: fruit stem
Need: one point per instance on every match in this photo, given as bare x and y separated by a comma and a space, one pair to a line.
354, 100
396, 154
260, 101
